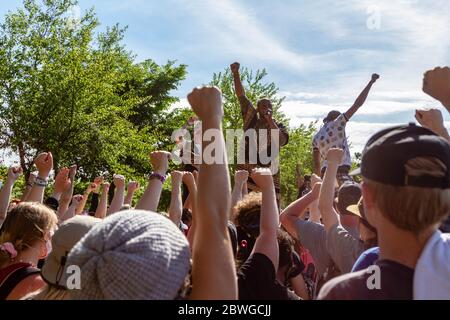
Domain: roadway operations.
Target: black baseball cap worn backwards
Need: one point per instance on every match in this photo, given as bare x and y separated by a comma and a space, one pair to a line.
388, 151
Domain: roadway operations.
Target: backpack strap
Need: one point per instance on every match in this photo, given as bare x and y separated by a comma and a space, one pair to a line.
14, 279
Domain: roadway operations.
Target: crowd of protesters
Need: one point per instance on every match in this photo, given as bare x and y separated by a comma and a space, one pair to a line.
382, 238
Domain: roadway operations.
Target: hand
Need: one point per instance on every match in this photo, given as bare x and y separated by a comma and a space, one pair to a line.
177, 177
206, 102
241, 176
160, 161
62, 181
436, 83
189, 180
262, 177
105, 186
235, 67
133, 186
91, 187
375, 77
76, 200
315, 192
44, 164
335, 155
315, 179
98, 181
431, 119
73, 172
14, 173
119, 181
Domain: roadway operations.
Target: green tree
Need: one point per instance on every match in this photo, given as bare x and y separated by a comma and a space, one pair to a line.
79, 93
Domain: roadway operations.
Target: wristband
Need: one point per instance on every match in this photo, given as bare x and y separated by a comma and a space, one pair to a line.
41, 182
158, 177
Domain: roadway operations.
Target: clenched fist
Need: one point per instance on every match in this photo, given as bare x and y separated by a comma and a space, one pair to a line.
235, 67
436, 83
133, 186
241, 176
431, 119
119, 181
206, 102
177, 177
335, 155
375, 77
62, 180
262, 177
160, 161
44, 164
14, 173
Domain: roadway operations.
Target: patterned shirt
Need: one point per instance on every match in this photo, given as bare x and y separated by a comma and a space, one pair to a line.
332, 135
252, 121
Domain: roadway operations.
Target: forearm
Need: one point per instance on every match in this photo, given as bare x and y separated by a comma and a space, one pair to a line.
316, 163
70, 213
192, 229
314, 212
37, 191
360, 100
176, 205
150, 199
80, 207
244, 189
326, 198
236, 195
238, 87
298, 207
269, 220
26, 193
102, 207
129, 198
117, 201
5, 195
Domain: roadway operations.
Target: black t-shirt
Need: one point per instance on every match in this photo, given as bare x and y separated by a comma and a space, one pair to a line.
395, 279
257, 281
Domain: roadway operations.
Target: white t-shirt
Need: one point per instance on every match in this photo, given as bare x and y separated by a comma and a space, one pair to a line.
332, 135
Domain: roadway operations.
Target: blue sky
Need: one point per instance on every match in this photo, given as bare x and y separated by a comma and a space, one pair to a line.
320, 53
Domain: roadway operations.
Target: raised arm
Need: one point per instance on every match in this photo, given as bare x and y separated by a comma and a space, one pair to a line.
29, 186
176, 203
150, 199
314, 212
117, 201
361, 98
212, 245
131, 189
62, 183
5, 194
240, 178
436, 83
102, 208
190, 181
91, 187
238, 87
326, 198
295, 210
317, 162
66, 197
71, 211
267, 242
433, 120
44, 164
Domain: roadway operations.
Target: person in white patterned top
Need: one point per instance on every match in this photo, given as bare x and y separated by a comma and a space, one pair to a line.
332, 135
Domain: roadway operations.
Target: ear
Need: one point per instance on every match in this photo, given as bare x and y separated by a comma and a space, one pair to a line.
42, 250
369, 204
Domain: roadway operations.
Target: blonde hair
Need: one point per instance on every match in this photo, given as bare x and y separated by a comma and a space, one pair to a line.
413, 209
49, 292
24, 225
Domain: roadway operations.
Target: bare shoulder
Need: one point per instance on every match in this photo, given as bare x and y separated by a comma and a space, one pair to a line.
28, 285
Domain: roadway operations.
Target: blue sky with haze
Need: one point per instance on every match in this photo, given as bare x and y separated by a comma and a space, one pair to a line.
320, 53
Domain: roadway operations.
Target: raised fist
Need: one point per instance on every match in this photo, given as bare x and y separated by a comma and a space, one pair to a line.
241, 176
14, 173
119, 181
62, 180
177, 177
73, 172
189, 180
431, 119
92, 186
436, 83
315, 192
160, 161
76, 200
105, 186
206, 102
335, 155
315, 179
44, 164
235, 67
262, 177
375, 77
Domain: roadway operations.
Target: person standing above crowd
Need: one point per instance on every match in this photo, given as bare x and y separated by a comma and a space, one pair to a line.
332, 135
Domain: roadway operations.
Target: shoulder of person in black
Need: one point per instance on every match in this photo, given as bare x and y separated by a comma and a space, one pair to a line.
257, 281
396, 283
